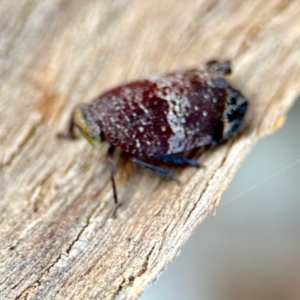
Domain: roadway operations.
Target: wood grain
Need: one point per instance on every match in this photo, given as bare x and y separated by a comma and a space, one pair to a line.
57, 237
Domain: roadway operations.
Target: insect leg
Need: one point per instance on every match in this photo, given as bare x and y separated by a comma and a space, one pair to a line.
177, 160
221, 68
111, 166
154, 169
70, 133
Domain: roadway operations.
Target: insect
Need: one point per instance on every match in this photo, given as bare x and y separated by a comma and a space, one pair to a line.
163, 116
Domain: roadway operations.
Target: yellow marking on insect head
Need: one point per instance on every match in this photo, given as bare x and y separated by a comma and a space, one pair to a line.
87, 130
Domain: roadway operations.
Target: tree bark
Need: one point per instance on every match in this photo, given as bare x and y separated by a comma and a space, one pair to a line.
58, 239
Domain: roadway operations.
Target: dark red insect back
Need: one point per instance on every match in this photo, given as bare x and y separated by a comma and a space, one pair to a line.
163, 116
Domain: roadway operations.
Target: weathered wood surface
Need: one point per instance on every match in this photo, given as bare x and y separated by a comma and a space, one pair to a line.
57, 237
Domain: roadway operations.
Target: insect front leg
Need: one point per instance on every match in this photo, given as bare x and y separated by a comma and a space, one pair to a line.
69, 134
112, 168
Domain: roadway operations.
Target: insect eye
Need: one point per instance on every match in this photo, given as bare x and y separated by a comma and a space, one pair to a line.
233, 98
93, 131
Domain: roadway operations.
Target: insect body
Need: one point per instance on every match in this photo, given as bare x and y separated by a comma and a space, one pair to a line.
163, 116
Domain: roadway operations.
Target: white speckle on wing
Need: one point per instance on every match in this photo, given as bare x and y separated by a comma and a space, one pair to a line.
175, 90
142, 106
178, 110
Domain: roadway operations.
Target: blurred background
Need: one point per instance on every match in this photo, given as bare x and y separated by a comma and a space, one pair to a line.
251, 248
